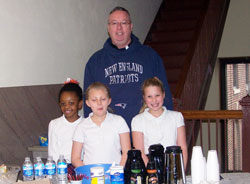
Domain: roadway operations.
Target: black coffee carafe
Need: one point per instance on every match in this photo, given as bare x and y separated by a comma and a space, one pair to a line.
175, 172
156, 155
134, 159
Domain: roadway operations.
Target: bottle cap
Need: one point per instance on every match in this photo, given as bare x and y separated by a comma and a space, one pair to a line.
49, 158
134, 153
173, 149
156, 149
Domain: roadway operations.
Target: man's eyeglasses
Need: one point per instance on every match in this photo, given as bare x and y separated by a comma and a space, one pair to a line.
123, 23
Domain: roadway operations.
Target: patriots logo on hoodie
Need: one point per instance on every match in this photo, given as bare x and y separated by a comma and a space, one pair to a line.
122, 105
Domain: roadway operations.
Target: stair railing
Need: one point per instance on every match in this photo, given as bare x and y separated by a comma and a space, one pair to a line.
227, 131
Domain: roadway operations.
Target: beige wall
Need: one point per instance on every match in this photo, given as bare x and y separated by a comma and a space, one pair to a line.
235, 42
46, 41
213, 99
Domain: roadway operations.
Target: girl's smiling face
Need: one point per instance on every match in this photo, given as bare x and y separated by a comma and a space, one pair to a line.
98, 100
70, 105
154, 98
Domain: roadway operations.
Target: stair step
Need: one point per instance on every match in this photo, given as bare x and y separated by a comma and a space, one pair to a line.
183, 4
173, 15
173, 86
176, 25
173, 61
173, 74
172, 48
172, 36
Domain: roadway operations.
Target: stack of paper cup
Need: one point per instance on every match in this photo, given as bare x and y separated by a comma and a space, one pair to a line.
213, 172
197, 165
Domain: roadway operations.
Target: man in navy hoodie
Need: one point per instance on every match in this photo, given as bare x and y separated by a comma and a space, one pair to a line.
123, 64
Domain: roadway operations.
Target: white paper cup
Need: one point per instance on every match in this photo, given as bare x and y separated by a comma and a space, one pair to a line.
76, 182
197, 165
197, 153
212, 156
213, 169
197, 171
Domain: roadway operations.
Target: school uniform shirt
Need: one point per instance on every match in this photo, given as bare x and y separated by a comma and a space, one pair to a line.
162, 129
60, 136
101, 143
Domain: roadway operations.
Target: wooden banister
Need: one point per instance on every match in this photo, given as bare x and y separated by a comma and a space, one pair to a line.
223, 116
245, 103
221, 119
212, 114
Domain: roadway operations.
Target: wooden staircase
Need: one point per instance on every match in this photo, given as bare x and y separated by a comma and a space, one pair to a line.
186, 34
172, 35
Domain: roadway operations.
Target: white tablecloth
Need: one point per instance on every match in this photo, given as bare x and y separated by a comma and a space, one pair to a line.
235, 178
229, 178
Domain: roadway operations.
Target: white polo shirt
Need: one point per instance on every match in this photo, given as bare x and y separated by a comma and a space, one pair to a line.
162, 129
61, 132
101, 143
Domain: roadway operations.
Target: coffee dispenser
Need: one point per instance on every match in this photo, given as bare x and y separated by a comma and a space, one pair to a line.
175, 172
134, 160
156, 155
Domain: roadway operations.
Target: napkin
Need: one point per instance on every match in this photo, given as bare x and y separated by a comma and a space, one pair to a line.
42, 181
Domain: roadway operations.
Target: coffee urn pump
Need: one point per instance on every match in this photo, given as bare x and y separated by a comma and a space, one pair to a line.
174, 166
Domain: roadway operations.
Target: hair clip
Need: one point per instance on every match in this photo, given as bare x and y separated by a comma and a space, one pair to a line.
69, 80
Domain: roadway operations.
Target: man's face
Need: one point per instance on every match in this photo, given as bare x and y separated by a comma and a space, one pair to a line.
120, 28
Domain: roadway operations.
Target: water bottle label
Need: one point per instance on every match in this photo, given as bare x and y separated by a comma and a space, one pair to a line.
62, 168
27, 170
50, 169
39, 169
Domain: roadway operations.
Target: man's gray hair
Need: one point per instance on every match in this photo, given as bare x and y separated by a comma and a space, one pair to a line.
119, 8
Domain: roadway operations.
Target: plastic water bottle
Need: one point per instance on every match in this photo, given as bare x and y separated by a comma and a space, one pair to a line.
27, 170
50, 169
62, 169
39, 168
